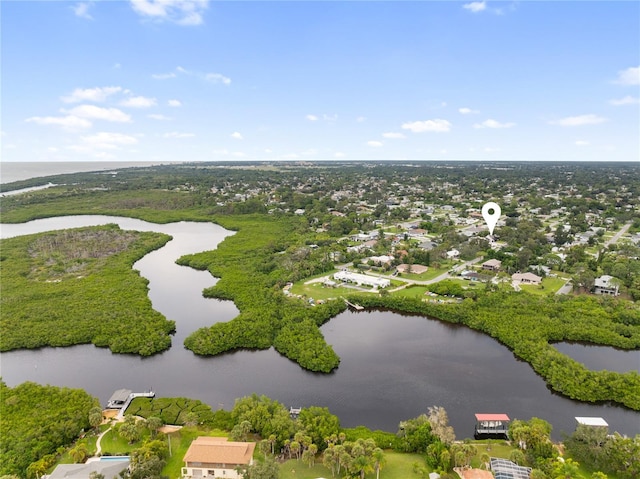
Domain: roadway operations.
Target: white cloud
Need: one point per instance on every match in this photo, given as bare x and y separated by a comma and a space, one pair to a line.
582, 143
236, 135
374, 144
156, 116
339, 154
437, 125
468, 111
361, 119
311, 118
393, 135
69, 122
175, 134
91, 94
333, 117
580, 120
210, 77
163, 76
174, 103
108, 140
630, 76
268, 150
82, 10
493, 124
217, 78
182, 12
97, 113
475, 7
139, 102
627, 100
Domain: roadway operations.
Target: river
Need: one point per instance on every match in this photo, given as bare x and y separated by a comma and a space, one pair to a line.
393, 366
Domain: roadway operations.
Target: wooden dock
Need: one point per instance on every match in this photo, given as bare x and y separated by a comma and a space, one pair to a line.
357, 307
131, 397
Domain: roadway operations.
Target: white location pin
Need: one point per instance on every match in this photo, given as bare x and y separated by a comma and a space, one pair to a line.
491, 214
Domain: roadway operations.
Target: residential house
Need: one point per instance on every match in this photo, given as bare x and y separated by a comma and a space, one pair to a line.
215, 457
470, 275
603, 285
453, 254
492, 265
111, 468
526, 278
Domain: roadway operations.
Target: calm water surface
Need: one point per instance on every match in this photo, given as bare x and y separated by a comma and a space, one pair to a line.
392, 366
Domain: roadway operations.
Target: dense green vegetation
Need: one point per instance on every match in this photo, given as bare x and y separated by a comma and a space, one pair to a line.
77, 286
37, 421
253, 267
610, 453
179, 411
527, 324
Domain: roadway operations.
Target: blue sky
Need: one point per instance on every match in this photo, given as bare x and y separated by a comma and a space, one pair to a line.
198, 80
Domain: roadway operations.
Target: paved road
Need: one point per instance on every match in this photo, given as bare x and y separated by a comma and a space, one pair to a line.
566, 288
614, 239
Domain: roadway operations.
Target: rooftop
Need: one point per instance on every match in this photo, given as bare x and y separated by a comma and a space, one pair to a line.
592, 421
492, 417
220, 451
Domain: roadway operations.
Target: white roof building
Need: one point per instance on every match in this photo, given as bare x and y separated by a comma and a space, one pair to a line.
360, 279
592, 421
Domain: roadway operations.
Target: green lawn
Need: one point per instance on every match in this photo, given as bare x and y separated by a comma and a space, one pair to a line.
399, 466
427, 275
549, 286
115, 445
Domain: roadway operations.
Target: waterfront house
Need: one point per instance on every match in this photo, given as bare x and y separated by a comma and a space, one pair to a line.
213, 457
108, 467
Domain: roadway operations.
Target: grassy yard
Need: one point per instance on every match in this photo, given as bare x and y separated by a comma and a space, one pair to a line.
115, 445
399, 466
427, 275
549, 286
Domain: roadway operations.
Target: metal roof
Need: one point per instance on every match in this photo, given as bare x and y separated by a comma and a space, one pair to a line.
492, 417
121, 395
592, 421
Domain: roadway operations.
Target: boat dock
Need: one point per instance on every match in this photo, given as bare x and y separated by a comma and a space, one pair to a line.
492, 424
121, 399
357, 307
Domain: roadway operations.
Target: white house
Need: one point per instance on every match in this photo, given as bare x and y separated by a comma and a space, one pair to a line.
453, 254
603, 285
214, 457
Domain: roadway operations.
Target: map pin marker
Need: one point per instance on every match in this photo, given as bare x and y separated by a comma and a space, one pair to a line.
491, 214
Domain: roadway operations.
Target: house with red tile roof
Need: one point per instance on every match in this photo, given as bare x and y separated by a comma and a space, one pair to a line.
213, 457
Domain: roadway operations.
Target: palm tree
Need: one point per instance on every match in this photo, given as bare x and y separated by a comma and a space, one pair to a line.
79, 453
485, 459
378, 461
361, 464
